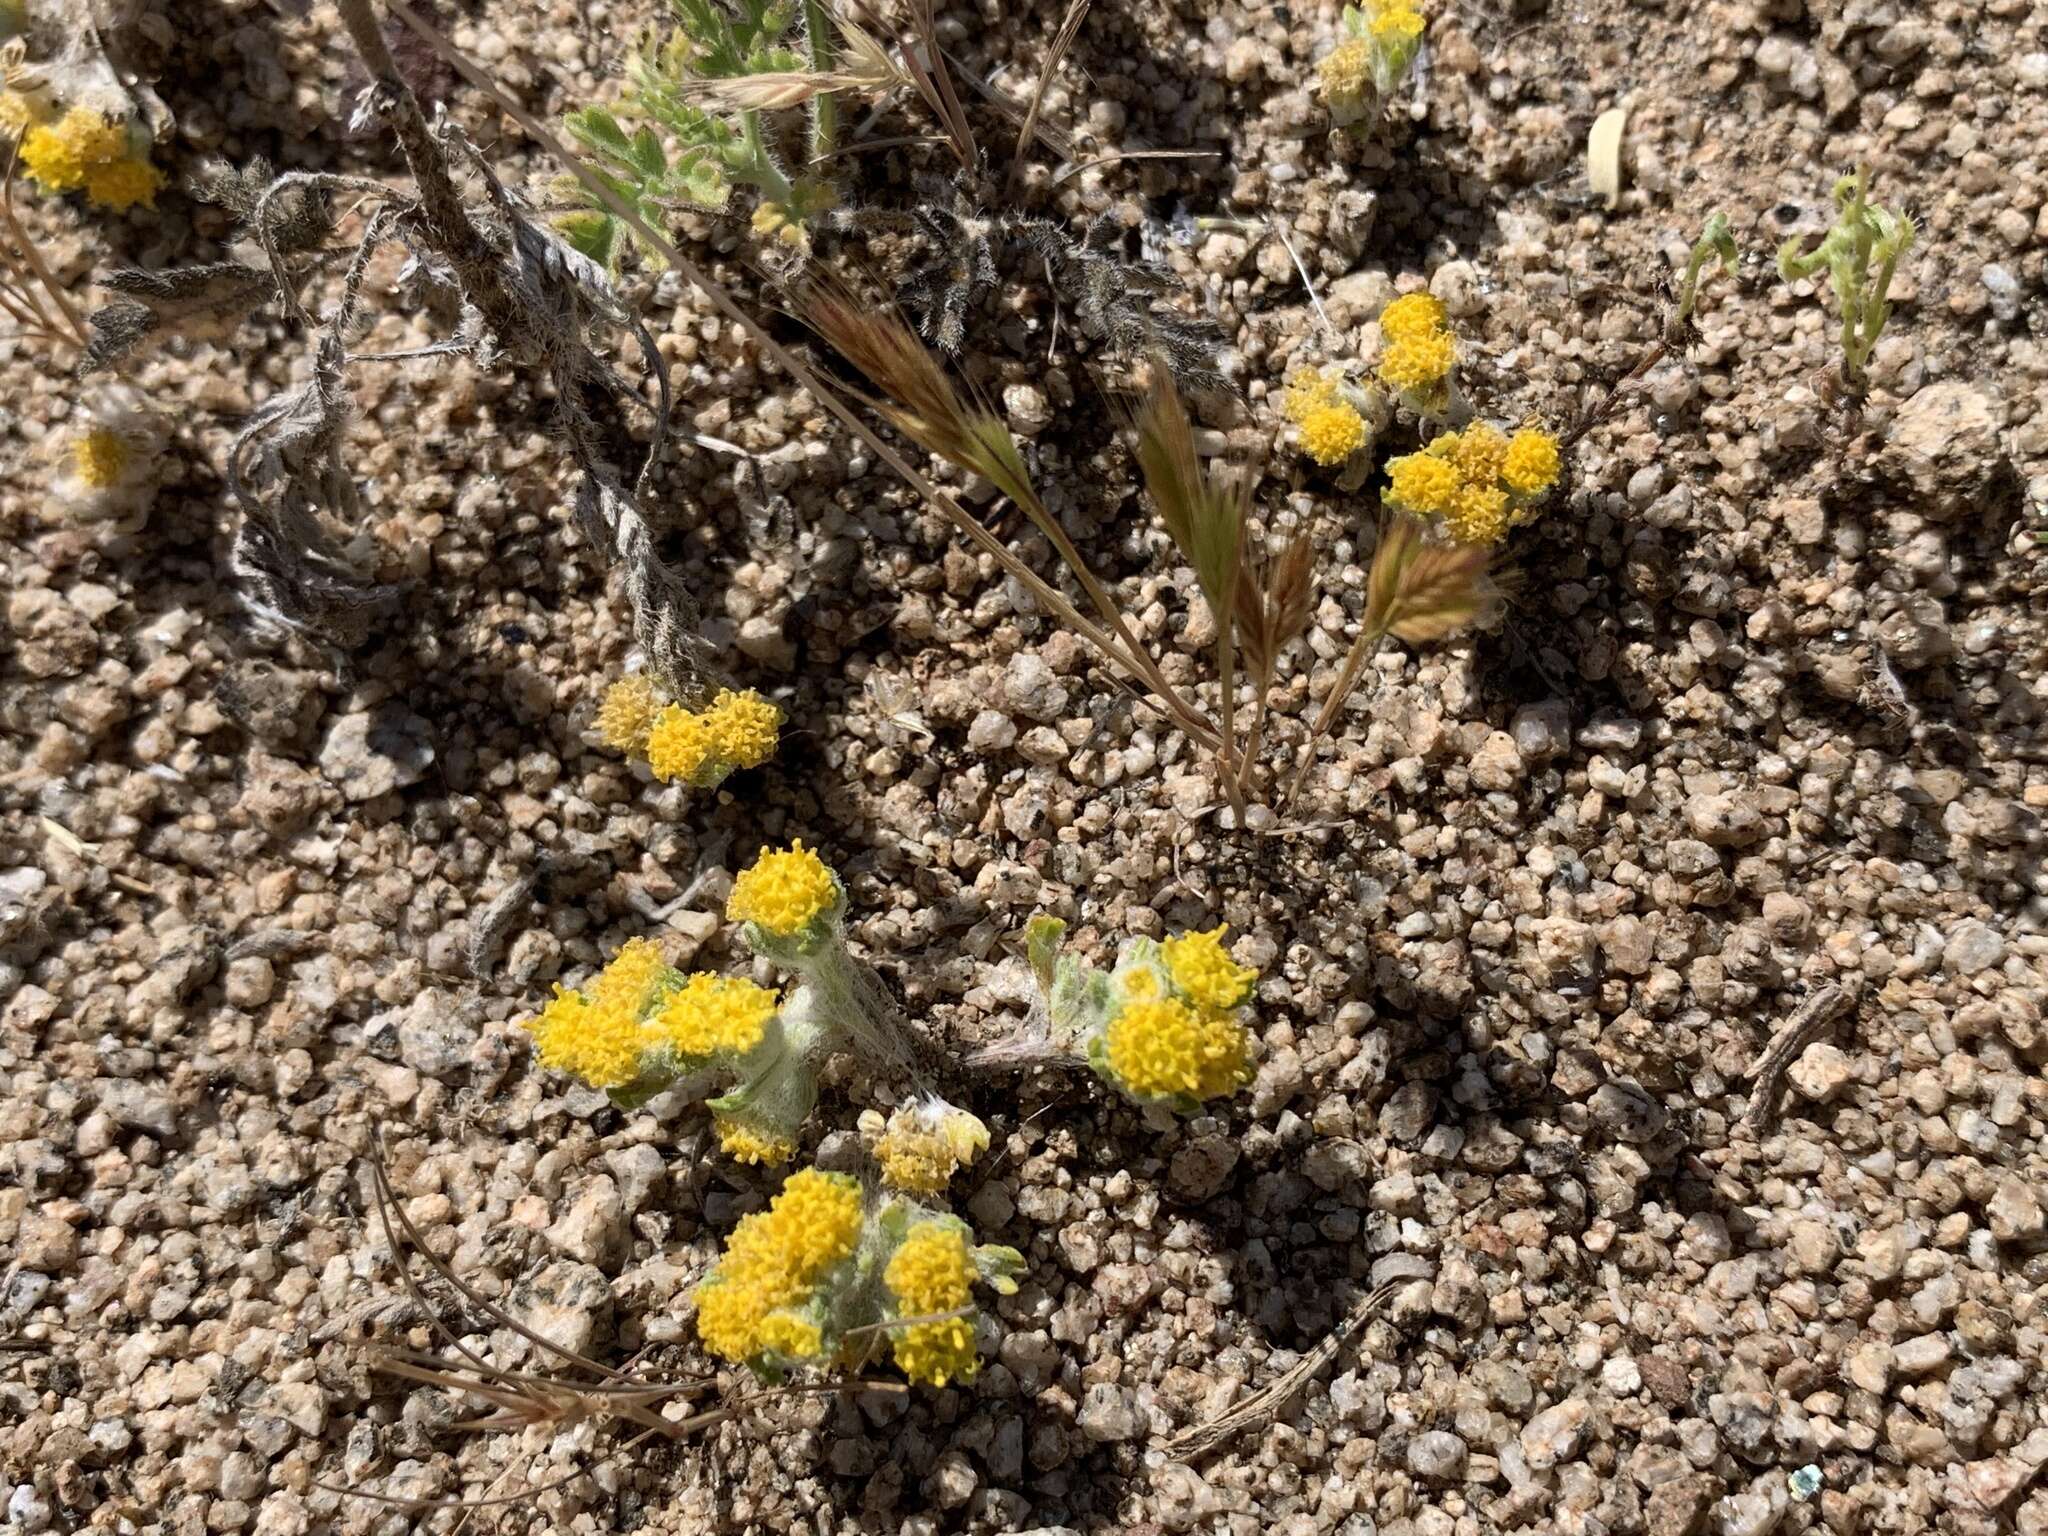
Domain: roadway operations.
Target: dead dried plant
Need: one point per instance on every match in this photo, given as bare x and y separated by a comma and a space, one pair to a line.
30, 294
919, 398
1063, 41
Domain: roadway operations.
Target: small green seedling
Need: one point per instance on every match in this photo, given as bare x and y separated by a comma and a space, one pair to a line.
1714, 248
695, 120
1861, 253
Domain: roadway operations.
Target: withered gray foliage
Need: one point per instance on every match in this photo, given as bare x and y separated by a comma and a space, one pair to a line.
522, 298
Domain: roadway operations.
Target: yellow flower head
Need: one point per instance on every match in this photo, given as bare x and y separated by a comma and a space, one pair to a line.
1530, 467
714, 1015
1203, 971
791, 1335
785, 891
1170, 1050
60, 154
101, 457
774, 1260
631, 976
1418, 364
925, 1142
1480, 452
932, 1272
1307, 392
745, 1142
628, 713
1346, 70
599, 1042
743, 727
1396, 22
1330, 434
119, 185
679, 746
1479, 515
1411, 315
1424, 483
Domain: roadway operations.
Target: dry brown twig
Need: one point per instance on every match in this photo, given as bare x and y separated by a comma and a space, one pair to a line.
1801, 1028
30, 294
1261, 1407
1063, 40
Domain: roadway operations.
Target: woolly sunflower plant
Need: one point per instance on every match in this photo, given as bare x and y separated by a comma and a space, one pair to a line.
827, 1270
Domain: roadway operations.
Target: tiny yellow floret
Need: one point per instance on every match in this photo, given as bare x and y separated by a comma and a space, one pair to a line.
601, 1043
1423, 482
1479, 452
711, 1015
1417, 364
1201, 969
745, 1142
60, 154
1531, 465
1332, 433
1308, 391
628, 713
100, 458
784, 892
791, 1335
932, 1272
1411, 315
1396, 23
926, 1142
119, 185
630, 976
1479, 515
679, 746
1168, 1049
743, 727
1346, 70
774, 1259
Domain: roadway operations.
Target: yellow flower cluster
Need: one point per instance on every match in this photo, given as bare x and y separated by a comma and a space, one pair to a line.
1395, 21
1164, 1048
1480, 481
752, 1304
924, 1143
1329, 426
700, 747
599, 1034
745, 1141
627, 713
83, 148
784, 891
1202, 969
933, 1273
1346, 70
1420, 350
709, 1014
101, 458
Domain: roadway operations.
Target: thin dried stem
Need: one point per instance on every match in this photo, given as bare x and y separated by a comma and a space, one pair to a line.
1063, 40
798, 369
65, 325
1805, 1025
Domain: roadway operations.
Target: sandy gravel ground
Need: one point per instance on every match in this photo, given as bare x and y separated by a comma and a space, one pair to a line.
1762, 715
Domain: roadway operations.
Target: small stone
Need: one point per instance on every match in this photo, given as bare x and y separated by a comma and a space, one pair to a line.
1032, 689
593, 1229
1620, 1375
1542, 731
1439, 1455
992, 731
375, 752
46, 1244
1497, 765
1989, 1485
1973, 947
1916, 1357
2014, 1212
1553, 1436
1679, 1507
1870, 1366
1725, 820
1821, 1072
567, 1303
1107, 1414
139, 1108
